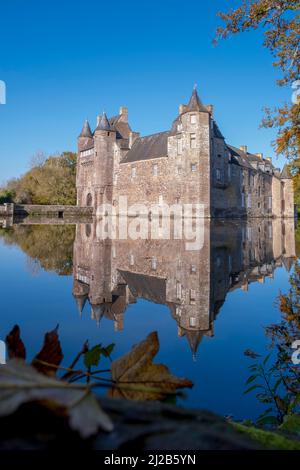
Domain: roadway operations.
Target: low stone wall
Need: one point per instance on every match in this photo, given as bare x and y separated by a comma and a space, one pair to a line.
6, 210
58, 211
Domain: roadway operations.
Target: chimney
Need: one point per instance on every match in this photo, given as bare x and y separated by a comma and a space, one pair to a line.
210, 109
123, 112
132, 137
260, 155
181, 108
244, 148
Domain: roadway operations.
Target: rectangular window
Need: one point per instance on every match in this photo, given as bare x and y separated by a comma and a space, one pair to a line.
192, 321
178, 290
249, 234
179, 170
193, 268
193, 141
179, 145
218, 174
131, 260
155, 170
243, 199
270, 231
193, 119
193, 167
153, 264
87, 153
192, 294
270, 202
133, 172
249, 201
178, 311
229, 172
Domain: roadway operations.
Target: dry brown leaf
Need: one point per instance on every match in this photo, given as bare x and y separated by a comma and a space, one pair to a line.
15, 346
21, 383
51, 353
139, 378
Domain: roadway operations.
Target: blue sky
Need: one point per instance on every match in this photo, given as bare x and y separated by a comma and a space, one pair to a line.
63, 61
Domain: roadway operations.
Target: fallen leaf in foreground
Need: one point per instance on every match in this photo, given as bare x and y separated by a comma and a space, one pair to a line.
21, 383
51, 352
140, 379
15, 345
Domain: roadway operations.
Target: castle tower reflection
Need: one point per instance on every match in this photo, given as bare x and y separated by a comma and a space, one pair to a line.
111, 274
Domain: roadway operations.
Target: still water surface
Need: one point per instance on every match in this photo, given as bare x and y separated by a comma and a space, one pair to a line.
208, 306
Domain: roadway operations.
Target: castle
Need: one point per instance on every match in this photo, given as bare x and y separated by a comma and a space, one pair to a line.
190, 163
111, 275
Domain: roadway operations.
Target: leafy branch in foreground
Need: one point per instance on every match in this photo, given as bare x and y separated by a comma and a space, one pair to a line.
133, 376
279, 383
279, 22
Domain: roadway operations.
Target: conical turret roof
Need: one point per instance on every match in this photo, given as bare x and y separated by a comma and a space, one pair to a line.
195, 104
81, 301
194, 338
285, 174
104, 124
86, 130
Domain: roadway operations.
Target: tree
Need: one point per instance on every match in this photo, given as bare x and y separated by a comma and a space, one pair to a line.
49, 181
279, 21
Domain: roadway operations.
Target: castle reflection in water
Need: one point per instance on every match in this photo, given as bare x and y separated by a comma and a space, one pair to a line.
112, 274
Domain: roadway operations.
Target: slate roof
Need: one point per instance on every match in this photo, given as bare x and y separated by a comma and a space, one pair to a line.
240, 157
122, 128
216, 131
104, 124
145, 148
194, 104
194, 338
86, 130
148, 287
285, 174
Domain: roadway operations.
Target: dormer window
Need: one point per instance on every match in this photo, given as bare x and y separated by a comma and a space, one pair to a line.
193, 119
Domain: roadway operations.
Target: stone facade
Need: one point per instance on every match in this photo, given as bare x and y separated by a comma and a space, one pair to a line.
112, 274
191, 163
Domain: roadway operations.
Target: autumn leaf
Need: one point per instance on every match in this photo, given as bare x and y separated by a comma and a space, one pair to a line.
138, 378
15, 346
50, 353
21, 384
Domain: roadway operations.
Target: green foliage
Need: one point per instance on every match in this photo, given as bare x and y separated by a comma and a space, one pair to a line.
92, 356
291, 423
268, 439
278, 381
6, 196
50, 181
48, 246
280, 26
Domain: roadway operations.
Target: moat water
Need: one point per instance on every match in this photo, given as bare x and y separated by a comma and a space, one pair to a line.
208, 306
